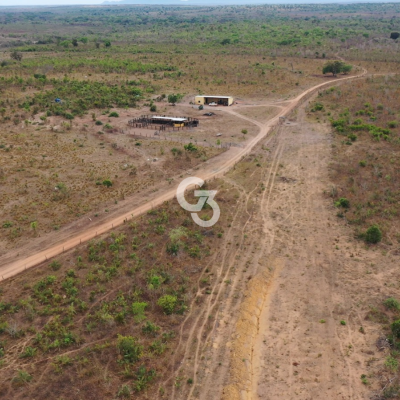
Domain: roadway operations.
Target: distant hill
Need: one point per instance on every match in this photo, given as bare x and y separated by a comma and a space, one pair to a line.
233, 2
189, 2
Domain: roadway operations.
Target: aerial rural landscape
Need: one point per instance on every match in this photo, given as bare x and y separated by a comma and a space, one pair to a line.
110, 289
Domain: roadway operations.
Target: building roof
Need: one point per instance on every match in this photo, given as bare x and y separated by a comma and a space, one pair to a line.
215, 96
160, 117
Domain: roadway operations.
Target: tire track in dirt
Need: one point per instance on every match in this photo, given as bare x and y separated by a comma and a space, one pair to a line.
294, 355
209, 389
197, 326
198, 332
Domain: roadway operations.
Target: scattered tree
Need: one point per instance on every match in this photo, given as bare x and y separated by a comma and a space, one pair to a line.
174, 98
373, 234
336, 67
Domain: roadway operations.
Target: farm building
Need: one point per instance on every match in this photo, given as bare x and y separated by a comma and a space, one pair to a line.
214, 100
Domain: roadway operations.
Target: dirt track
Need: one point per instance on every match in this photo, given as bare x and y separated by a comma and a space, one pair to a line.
13, 263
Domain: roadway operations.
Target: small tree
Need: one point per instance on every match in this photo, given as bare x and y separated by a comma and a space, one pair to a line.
394, 35
75, 42
107, 43
174, 98
107, 183
335, 67
373, 234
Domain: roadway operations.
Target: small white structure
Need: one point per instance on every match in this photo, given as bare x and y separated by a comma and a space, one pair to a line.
217, 100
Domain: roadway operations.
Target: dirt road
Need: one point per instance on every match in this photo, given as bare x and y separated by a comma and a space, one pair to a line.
288, 273
20, 260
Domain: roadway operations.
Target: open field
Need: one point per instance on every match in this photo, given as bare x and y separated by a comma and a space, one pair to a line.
291, 294
53, 177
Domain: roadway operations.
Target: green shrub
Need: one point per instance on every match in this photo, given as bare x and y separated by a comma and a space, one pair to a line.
190, 147
130, 350
98, 122
317, 107
343, 202
173, 248
362, 163
22, 377
107, 183
395, 327
157, 347
392, 364
194, 252
143, 377
124, 392
29, 352
167, 303
155, 281
55, 265
138, 310
113, 114
153, 108
373, 234
392, 304
150, 329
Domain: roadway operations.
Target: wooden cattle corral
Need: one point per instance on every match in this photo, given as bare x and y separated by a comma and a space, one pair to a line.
163, 122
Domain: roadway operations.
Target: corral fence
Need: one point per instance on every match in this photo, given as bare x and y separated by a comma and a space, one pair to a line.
164, 123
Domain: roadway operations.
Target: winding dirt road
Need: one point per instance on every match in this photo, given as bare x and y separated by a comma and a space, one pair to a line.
18, 262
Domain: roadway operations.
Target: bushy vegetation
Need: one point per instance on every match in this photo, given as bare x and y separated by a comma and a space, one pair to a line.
103, 303
367, 164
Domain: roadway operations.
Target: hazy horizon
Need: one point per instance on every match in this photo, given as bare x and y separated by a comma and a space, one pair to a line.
34, 3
